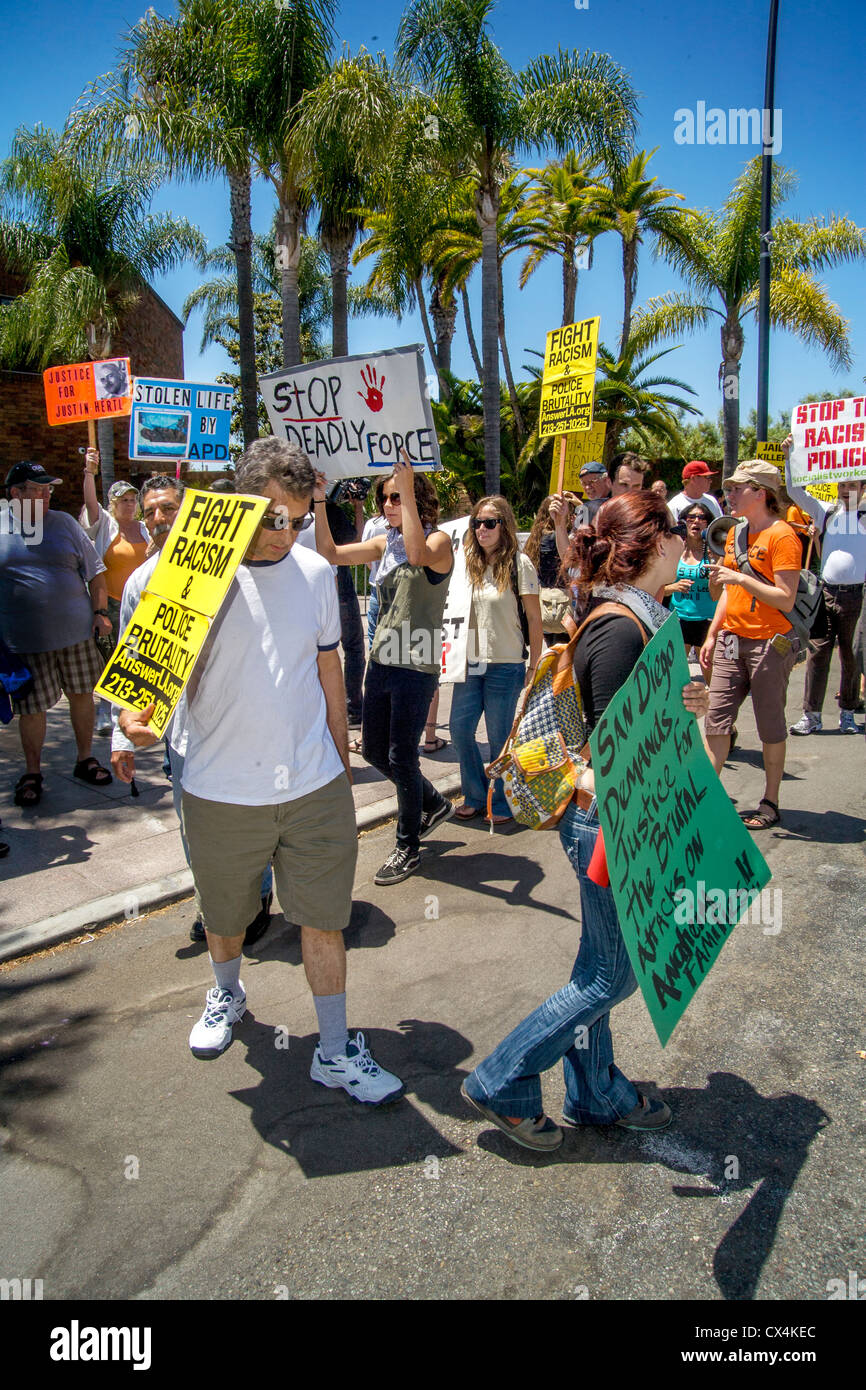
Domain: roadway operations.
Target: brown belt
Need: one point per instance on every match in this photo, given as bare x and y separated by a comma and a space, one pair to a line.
583, 798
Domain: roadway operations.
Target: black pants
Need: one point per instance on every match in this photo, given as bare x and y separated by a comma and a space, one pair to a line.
835, 621
354, 655
396, 702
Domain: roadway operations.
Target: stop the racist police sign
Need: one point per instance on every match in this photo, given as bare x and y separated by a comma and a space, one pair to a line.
353, 415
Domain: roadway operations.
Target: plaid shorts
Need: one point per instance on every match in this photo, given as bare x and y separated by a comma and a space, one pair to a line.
70, 671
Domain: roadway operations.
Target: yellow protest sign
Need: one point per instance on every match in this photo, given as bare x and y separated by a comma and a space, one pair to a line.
155, 655
773, 453
568, 379
824, 492
587, 446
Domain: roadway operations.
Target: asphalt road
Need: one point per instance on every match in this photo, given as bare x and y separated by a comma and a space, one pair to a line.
130, 1170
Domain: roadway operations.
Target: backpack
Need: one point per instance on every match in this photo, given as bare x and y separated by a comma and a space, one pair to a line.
808, 597
547, 748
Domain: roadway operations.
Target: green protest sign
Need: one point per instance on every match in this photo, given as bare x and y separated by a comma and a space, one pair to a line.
683, 868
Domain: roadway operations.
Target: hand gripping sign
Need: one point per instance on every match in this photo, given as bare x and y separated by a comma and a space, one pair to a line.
353, 415
156, 654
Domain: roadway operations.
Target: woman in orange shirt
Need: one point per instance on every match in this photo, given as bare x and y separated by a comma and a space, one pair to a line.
751, 645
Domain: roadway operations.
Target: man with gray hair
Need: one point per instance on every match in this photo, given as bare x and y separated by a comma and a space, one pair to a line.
267, 773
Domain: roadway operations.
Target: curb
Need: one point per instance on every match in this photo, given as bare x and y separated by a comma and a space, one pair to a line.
146, 897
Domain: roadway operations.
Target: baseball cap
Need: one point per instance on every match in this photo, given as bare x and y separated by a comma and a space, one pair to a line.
758, 472
29, 473
119, 489
696, 469
598, 468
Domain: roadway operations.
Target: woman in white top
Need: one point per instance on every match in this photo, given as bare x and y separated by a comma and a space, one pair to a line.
498, 573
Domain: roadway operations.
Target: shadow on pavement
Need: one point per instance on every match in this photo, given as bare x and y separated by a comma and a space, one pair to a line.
480, 872
728, 1134
327, 1132
822, 827
35, 1057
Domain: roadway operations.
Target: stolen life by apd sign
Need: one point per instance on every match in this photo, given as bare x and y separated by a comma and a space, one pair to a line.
174, 420
161, 643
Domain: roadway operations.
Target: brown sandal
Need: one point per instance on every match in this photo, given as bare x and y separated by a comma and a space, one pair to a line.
758, 819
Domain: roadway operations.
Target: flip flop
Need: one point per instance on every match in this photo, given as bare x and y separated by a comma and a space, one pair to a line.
762, 821
28, 789
432, 745
465, 812
89, 770
355, 745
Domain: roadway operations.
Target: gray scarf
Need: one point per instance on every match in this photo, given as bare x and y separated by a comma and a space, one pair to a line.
648, 609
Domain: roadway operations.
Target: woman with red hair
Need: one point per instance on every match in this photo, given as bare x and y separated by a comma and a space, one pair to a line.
621, 566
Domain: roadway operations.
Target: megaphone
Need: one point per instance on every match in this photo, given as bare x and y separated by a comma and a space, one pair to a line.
717, 532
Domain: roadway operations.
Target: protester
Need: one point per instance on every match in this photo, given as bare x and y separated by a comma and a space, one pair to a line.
161, 499
53, 601
695, 475
415, 563
841, 532
629, 475
267, 772
120, 540
502, 581
351, 629
595, 481
374, 526
542, 550
661, 488
690, 595
751, 646
626, 559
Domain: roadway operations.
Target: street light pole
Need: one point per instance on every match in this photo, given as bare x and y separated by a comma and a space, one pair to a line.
768, 138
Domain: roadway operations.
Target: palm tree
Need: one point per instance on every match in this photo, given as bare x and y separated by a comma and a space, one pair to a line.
627, 399
718, 254
186, 91
558, 221
487, 111
628, 203
79, 231
341, 130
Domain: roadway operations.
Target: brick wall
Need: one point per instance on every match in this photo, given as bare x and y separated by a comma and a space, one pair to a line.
152, 337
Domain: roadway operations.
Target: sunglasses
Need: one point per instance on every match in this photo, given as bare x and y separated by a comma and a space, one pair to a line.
280, 522
393, 497
488, 522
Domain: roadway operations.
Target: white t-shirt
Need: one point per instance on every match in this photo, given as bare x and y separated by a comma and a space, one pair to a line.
257, 732
678, 504
494, 625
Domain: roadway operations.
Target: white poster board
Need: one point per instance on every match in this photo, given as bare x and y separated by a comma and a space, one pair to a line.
829, 441
352, 415
458, 605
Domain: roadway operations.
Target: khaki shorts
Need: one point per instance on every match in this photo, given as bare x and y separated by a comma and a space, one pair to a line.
71, 670
313, 842
747, 666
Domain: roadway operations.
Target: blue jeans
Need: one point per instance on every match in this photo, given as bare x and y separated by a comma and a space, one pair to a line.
372, 615
494, 694
574, 1023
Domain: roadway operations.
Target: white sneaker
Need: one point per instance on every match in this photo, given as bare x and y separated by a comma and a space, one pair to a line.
357, 1073
809, 724
213, 1032
847, 723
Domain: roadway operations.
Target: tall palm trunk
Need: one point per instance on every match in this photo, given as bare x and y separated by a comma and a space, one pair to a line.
629, 276
418, 286
338, 247
569, 284
288, 246
487, 212
241, 242
443, 312
732, 351
506, 362
473, 346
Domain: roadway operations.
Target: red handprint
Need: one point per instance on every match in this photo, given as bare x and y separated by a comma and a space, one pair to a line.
373, 399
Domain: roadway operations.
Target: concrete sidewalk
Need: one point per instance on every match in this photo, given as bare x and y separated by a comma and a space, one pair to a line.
90, 855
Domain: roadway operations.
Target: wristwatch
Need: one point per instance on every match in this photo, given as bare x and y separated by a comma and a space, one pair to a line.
101, 613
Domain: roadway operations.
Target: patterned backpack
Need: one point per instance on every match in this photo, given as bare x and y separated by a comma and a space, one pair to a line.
547, 748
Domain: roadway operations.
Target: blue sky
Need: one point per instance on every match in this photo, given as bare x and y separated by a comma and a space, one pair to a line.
676, 54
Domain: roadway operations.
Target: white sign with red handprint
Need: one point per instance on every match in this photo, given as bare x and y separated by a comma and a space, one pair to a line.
353, 415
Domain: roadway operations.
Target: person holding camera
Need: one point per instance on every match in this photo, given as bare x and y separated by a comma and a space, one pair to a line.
689, 594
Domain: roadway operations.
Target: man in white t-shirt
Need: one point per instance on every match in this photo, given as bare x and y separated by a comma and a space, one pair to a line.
695, 476
267, 775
